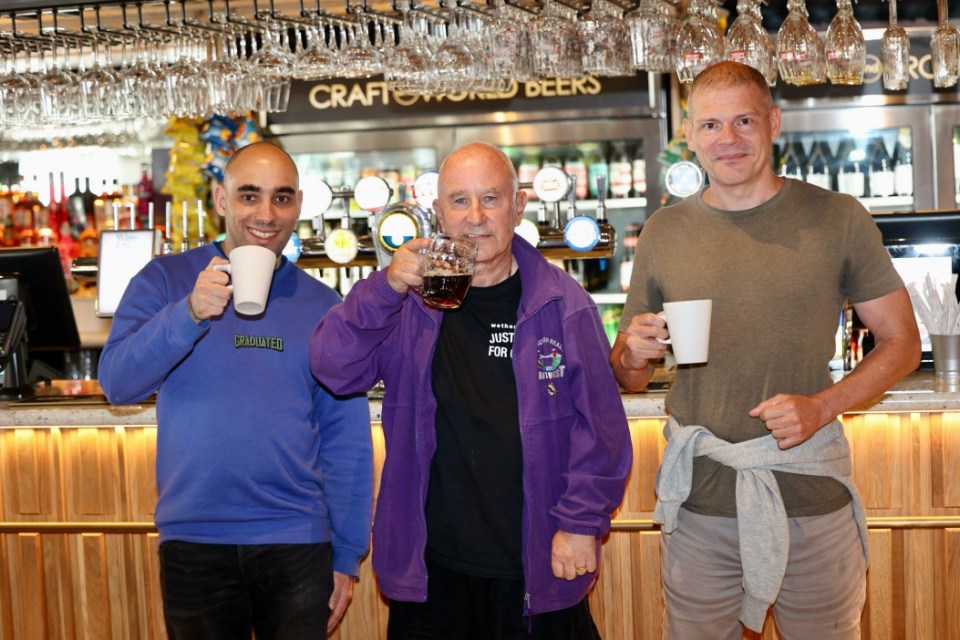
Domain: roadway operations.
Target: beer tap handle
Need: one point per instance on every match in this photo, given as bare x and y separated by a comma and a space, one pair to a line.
201, 214
185, 241
167, 247
572, 199
601, 198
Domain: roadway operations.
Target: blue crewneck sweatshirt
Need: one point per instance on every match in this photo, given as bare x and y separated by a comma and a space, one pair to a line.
251, 449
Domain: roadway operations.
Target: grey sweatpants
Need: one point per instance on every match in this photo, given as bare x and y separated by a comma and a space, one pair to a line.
823, 590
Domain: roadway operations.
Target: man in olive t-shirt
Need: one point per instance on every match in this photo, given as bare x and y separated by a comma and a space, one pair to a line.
778, 258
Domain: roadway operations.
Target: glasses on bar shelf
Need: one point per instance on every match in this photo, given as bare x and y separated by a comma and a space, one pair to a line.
895, 53
653, 36
800, 51
846, 49
749, 43
944, 49
556, 43
603, 39
699, 43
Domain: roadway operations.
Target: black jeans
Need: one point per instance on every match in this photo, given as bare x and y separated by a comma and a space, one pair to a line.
222, 592
462, 607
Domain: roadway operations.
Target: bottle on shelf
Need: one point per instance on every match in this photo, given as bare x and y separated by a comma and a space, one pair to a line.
852, 172
818, 165
574, 165
639, 171
903, 163
881, 174
596, 165
6, 217
631, 233
77, 216
56, 210
529, 165
551, 158
89, 197
144, 193
25, 211
103, 208
621, 171
792, 161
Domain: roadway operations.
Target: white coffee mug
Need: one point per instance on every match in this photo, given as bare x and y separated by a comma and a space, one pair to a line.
688, 322
251, 272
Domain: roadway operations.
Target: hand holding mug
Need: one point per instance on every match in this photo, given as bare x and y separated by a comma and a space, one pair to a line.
642, 345
406, 267
210, 294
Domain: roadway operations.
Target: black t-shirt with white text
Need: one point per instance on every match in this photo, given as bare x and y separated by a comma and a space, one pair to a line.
475, 498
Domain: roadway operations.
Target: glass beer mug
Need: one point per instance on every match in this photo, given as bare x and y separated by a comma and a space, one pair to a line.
653, 36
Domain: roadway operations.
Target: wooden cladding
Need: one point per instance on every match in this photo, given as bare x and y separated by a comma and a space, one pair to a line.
98, 578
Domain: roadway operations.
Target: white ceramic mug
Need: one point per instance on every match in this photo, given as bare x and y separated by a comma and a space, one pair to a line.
688, 322
251, 272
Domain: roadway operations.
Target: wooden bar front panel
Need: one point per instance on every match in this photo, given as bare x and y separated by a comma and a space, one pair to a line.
102, 585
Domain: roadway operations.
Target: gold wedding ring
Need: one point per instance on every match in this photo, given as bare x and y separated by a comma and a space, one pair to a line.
581, 570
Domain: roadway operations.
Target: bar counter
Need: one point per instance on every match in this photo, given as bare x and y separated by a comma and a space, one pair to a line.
78, 546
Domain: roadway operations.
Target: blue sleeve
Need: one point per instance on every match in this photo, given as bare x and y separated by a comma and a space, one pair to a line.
149, 336
346, 460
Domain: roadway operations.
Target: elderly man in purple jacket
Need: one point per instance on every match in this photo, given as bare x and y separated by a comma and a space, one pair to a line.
507, 444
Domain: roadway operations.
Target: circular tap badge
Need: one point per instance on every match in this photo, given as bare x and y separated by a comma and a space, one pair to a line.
395, 229
683, 178
372, 192
426, 188
341, 245
551, 184
581, 233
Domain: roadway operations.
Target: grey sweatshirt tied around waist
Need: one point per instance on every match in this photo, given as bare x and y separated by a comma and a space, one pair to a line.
761, 516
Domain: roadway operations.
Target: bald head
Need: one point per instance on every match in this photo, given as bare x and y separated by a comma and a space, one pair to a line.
478, 154
261, 153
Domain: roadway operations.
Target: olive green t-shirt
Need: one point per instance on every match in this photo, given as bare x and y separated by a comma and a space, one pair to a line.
778, 275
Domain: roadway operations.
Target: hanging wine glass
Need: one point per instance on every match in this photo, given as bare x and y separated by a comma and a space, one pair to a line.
699, 43
358, 59
59, 88
749, 43
17, 104
409, 66
944, 48
141, 83
272, 65
800, 51
895, 53
318, 61
653, 36
846, 49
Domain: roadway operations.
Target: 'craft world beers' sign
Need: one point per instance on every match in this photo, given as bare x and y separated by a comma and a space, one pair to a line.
369, 99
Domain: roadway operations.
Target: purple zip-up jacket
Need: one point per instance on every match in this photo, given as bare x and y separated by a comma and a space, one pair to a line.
573, 430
